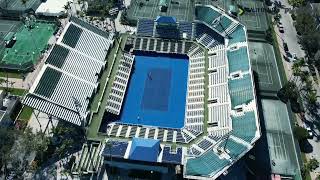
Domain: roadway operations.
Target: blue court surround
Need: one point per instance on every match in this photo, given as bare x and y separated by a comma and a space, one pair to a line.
156, 94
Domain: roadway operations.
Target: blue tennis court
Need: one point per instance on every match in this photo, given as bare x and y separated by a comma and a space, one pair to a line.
157, 91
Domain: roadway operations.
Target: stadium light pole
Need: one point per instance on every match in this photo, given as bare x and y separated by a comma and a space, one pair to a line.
78, 105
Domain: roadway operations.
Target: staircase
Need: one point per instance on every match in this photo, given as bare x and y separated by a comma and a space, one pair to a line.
89, 160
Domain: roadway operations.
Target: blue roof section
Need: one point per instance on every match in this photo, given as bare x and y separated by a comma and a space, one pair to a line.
166, 19
169, 157
144, 149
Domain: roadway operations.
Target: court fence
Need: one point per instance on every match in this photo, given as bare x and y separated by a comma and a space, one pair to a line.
8, 11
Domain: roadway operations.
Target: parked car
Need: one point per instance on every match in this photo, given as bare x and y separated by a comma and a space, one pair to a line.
310, 133
308, 128
285, 47
281, 29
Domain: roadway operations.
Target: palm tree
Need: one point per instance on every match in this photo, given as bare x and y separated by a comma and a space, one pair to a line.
312, 97
67, 7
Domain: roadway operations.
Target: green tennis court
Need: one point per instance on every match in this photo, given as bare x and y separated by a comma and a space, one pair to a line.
7, 26
182, 10
18, 5
29, 44
263, 62
254, 20
281, 144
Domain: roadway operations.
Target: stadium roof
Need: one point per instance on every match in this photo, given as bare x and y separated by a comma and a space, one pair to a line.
233, 124
52, 7
68, 80
69, 60
144, 149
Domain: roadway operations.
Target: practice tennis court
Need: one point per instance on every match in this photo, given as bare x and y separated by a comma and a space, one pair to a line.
156, 94
29, 44
7, 26
281, 144
18, 5
256, 19
182, 10
264, 63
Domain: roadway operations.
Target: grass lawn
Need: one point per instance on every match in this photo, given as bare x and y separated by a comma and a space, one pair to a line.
15, 91
11, 75
305, 161
25, 113
24, 116
92, 132
103, 79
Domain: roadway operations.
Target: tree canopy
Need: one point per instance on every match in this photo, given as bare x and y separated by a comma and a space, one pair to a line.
296, 3
300, 133
310, 36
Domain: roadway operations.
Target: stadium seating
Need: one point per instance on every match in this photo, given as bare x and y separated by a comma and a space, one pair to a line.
185, 27
169, 157
219, 114
204, 144
238, 35
90, 27
217, 59
160, 45
86, 41
219, 92
151, 133
214, 138
145, 27
244, 127
89, 43
206, 14
75, 63
206, 164
233, 148
194, 151
119, 86
241, 90
115, 148
167, 31
207, 37
218, 77
222, 24
169, 136
72, 35
53, 84
238, 59
192, 120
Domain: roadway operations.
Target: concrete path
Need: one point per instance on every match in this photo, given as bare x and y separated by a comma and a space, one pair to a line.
41, 122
